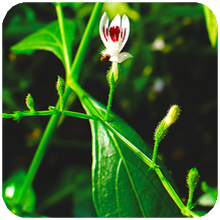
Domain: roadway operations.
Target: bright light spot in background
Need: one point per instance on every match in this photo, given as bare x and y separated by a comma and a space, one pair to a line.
158, 85
9, 192
158, 44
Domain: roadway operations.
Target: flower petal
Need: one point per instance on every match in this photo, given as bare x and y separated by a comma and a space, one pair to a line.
103, 29
116, 21
114, 37
123, 56
114, 32
114, 58
125, 30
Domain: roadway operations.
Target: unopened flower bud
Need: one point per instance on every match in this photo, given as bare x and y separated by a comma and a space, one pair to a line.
30, 102
60, 89
60, 86
169, 119
192, 178
172, 115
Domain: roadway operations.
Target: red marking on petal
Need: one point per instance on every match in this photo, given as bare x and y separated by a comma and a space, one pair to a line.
114, 33
105, 32
121, 33
124, 34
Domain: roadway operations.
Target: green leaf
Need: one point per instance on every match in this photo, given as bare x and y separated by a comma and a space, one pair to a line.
211, 24
11, 190
47, 38
122, 184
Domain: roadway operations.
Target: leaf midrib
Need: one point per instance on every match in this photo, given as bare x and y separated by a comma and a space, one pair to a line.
128, 173
127, 169
97, 111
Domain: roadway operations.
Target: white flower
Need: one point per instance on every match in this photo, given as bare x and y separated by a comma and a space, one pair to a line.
114, 37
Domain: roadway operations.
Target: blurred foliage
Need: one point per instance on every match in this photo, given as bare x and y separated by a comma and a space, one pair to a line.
173, 63
212, 25
209, 197
73, 187
11, 189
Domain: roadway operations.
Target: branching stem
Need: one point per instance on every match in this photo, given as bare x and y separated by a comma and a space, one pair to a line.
74, 70
62, 32
185, 211
53, 112
73, 74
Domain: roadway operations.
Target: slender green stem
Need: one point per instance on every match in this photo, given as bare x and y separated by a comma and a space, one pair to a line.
188, 212
61, 103
74, 72
170, 189
162, 178
55, 118
40, 152
164, 181
139, 153
82, 95
112, 78
189, 202
62, 32
79, 115
110, 97
5, 115
185, 211
54, 112
156, 144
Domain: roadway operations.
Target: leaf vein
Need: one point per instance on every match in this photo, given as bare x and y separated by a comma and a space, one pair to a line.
128, 172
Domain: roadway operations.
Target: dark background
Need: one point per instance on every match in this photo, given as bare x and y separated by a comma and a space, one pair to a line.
186, 67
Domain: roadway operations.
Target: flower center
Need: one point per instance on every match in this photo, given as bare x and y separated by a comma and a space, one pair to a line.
114, 33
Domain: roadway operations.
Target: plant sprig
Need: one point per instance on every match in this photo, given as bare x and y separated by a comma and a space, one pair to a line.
17, 115
72, 72
184, 209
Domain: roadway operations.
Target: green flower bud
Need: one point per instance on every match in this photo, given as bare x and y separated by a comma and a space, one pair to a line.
192, 178
172, 115
169, 119
60, 89
163, 126
113, 74
60, 85
30, 102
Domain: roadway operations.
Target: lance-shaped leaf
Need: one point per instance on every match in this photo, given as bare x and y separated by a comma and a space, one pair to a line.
47, 38
123, 186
